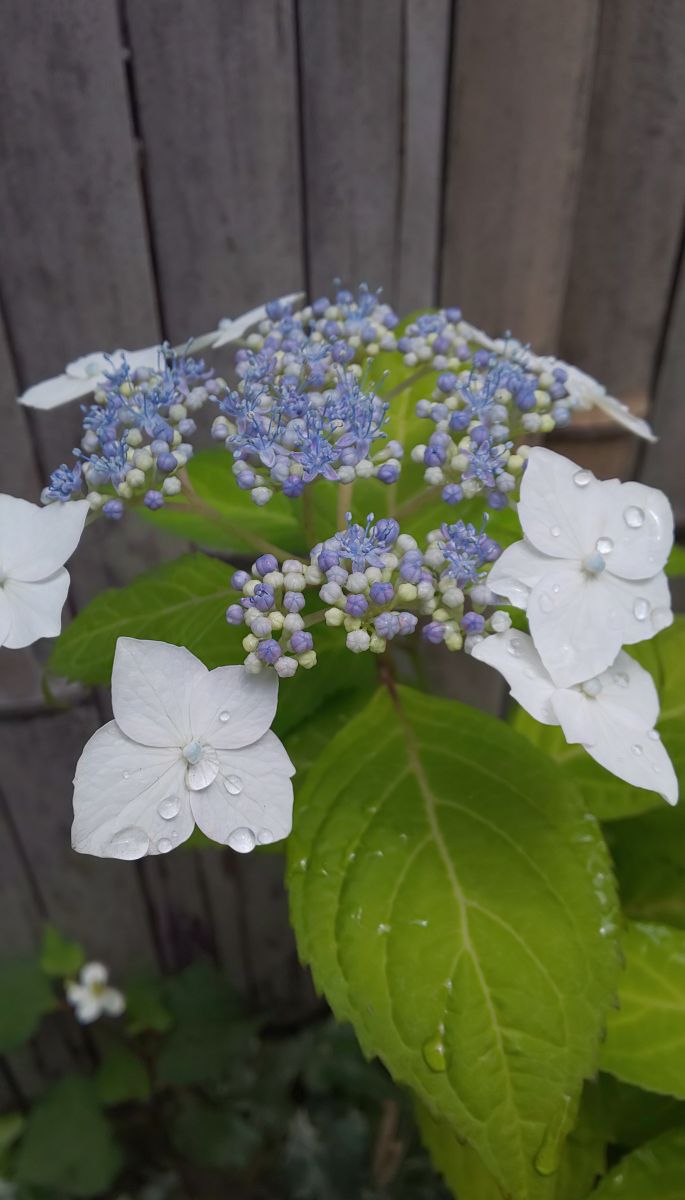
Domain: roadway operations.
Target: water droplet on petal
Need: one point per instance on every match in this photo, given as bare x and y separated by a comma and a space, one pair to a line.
654, 736
242, 840
641, 609
604, 545
515, 646
433, 1050
634, 516
129, 843
169, 807
556, 589
224, 717
164, 845
637, 749
233, 784
545, 602
591, 687
582, 478
265, 837
126, 774
621, 679
555, 531
193, 751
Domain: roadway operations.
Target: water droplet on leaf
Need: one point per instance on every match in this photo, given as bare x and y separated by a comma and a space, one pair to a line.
233, 784
169, 808
434, 1053
242, 840
548, 1157
634, 516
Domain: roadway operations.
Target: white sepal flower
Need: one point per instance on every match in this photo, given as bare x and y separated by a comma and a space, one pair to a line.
82, 376
92, 996
35, 543
232, 329
584, 391
611, 715
187, 746
589, 571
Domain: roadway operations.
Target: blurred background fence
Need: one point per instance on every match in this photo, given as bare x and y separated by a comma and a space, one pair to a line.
168, 162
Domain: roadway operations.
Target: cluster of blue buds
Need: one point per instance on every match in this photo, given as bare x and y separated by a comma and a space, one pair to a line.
135, 434
303, 407
476, 410
375, 584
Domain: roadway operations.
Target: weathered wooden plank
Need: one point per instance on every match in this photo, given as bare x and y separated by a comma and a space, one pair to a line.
663, 462
519, 102
427, 27
631, 198
352, 126
216, 86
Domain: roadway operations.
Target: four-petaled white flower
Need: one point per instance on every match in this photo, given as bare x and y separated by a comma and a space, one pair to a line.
82, 376
611, 715
187, 746
35, 543
231, 329
589, 571
92, 996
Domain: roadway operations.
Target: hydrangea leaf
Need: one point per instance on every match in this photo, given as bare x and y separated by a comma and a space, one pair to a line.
656, 1171
221, 516
646, 1034
606, 796
583, 1159
182, 602
633, 1116
59, 956
649, 858
122, 1076
455, 901
25, 996
68, 1145
676, 562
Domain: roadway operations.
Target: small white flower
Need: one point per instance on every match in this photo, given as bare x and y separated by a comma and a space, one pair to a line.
186, 746
81, 377
35, 543
589, 571
92, 996
585, 392
232, 329
611, 715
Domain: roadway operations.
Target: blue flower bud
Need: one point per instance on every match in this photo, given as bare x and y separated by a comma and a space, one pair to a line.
382, 593
301, 641
114, 509
234, 614
266, 563
269, 651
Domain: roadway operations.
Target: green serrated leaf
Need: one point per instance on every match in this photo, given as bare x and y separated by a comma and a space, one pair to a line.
456, 904
646, 1034
59, 956
654, 1172
607, 797
68, 1144
122, 1076
25, 996
632, 1116
649, 857
222, 517
182, 602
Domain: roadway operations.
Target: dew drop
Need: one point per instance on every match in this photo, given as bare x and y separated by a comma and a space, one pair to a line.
433, 1050
621, 679
129, 843
164, 845
654, 736
514, 646
126, 774
555, 531
637, 749
382, 928
265, 837
582, 478
604, 545
169, 808
224, 717
242, 840
556, 589
548, 1157
192, 752
641, 609
634, 516
545, 602
234, 785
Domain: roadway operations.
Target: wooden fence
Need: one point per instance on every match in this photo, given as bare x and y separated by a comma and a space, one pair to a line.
167, 162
